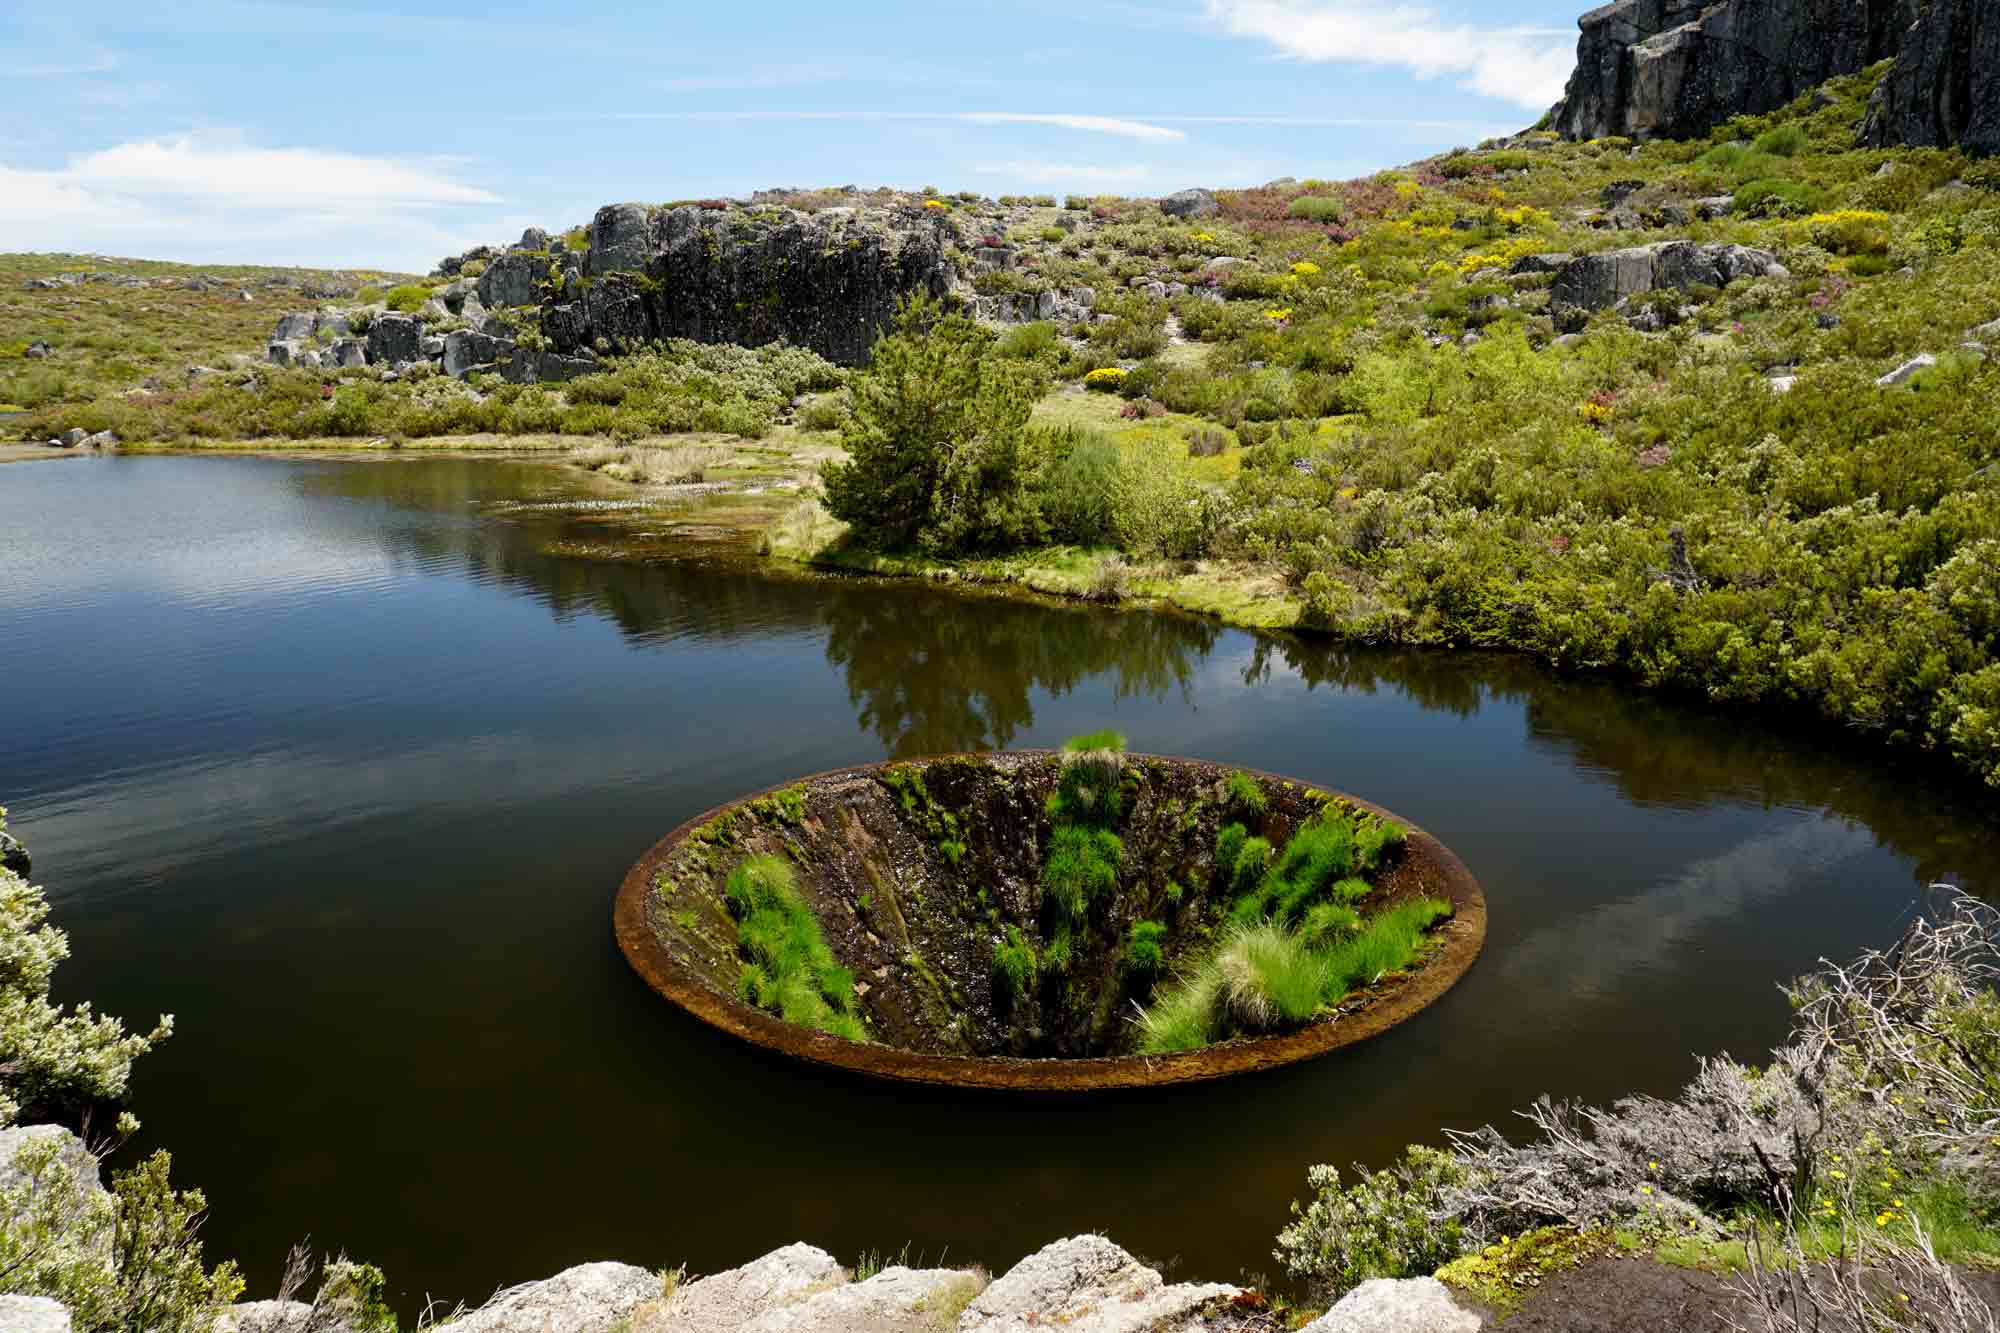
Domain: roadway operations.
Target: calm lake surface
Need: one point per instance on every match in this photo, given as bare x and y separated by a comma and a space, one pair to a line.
341, 764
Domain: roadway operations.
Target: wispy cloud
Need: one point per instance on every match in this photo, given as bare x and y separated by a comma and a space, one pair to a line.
214, 197
102, 64
796, 76
1113, 125
1526, 66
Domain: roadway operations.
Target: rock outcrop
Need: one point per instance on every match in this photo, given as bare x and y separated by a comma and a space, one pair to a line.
1414, 1305
830, 280
1945, 87
1088, 1285
590, 1298
1667, 68
1600, 281
14, 857
33, 1314
1085, 1285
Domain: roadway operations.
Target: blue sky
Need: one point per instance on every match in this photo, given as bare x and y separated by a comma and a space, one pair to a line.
374, 134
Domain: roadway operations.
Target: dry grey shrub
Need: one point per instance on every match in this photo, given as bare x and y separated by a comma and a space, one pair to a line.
1899, 1048
1881, 1287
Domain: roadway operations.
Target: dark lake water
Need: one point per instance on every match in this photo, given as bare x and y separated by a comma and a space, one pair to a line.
338, 763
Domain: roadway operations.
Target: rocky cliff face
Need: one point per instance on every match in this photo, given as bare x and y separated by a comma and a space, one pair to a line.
1664, 68
1945, 87
830, 280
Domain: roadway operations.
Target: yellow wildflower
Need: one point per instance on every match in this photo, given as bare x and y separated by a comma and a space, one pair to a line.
1305, 268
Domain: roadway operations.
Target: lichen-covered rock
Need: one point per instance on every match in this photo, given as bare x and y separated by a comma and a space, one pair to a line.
728, 1301
1190, 205
530, 367
1387, 1305
895, 1300
348, 352
513, 280
33, 1314
620, 239
1599, 281
1945, 86
1906, 372
277, 1317
1086, 1284
394, 339
298, 324
590, 1298
466, 349
1680, 67
830, 281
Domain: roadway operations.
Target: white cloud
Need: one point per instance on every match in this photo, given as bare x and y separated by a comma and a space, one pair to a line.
1526, 66
214, 199
1128, 129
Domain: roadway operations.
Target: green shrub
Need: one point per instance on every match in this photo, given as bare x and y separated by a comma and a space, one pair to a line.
1770, 198
1388, 942
407, 299
1092, 742
1075, 489
1317, 208
1393, 1223
1784, 141
936, 442
1253, 859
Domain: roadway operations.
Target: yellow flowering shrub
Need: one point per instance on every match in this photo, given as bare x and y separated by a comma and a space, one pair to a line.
937, 205
1280, 315
1849, 231
1107, 379
1305, 268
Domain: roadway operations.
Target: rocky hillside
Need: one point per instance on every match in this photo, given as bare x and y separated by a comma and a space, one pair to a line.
1675, 68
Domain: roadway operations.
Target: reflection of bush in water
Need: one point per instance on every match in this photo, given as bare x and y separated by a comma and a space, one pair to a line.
935, 674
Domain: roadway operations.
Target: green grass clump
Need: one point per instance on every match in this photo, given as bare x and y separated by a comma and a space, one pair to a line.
1091, 788
1081, 868
1376, 840
1316, 208
1388, 943
1246, 794
1229, 840
1783, 141
407, 299
1014, 964
791, 971
1095, 740
1144, 949
1253, 860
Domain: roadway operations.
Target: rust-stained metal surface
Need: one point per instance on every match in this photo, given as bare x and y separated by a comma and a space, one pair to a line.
1426, 867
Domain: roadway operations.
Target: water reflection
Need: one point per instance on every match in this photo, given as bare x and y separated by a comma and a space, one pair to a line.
364, 744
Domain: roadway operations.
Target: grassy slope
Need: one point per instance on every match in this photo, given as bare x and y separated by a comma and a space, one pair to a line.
106, 339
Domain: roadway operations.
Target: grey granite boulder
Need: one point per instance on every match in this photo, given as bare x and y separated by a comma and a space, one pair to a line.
1542, 263
591, 1298
1906, 372
895, 1300
465, 349
534, 238
1189, 205
615, 310
728, 1301
393, 339
620, 239
298, 324
1386, 1305
33, 1314
278, 1317
513, 280
1599, 281
348, 353
526, 367
1087, 1285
